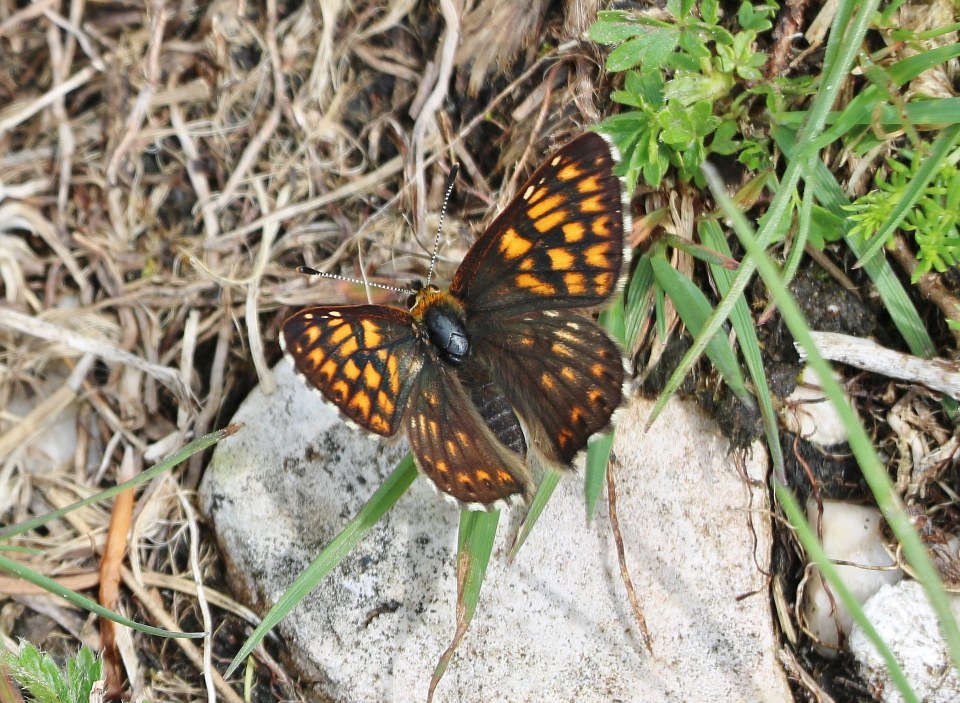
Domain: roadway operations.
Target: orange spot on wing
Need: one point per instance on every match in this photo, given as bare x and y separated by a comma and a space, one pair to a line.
604, 282
563, 350
312, 333
371, 333
560, 259
349, 347
548, 222
316, 357
329, 370
532, 283
588, 185
547, 381
371, 376
513, 246
568, 373
394, 376
594, 395
545, 206
361, 401
442, 467
351, 370
572, 232
340, 334
601, 226
537, 195
596, 255
592, 204
575, 283
385, 403
569, 172
378, 424
340, 391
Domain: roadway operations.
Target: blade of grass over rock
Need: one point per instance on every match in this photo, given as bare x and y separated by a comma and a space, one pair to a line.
809, 541
197, 445
896, 301
475, 544
548, 484
380, 502
598, 450
638, 302
929, 166
81, 601
873, 470
694, 309
843, 45
712, 236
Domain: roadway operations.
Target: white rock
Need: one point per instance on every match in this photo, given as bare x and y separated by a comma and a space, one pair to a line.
905, 621
556, 625
850, 533
809, 413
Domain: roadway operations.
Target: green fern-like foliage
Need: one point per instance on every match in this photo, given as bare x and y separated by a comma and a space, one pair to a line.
43, 681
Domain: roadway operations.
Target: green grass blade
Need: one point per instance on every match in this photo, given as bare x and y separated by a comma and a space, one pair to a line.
873, 470
860, 110
81, 601
837, 586
598, 449
694, 309
341, 545
712, 236
477, 532
894, 296
548, 484
639, 299
197, 445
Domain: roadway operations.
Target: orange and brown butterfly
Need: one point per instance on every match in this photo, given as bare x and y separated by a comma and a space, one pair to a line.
502, 358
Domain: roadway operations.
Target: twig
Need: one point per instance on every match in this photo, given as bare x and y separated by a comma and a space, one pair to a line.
937, 374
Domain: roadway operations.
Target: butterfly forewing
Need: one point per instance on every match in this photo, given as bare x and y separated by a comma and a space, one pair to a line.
559, 371
363, 358
558, 244
454, 447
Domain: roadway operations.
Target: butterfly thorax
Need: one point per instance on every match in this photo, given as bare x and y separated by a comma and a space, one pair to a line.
441, 316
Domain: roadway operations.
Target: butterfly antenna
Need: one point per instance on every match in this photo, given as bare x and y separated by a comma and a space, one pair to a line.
313, 272
451, 181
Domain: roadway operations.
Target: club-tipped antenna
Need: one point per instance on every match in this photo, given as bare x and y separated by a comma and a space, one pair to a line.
451, 181
313, 272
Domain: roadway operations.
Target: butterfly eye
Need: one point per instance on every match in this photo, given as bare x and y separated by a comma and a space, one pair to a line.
411, 300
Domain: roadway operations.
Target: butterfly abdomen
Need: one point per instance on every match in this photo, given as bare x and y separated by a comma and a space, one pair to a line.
441, 316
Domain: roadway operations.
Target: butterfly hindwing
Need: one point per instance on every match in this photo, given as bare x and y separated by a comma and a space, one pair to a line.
558, 244
561, 373
455, 448
363, 358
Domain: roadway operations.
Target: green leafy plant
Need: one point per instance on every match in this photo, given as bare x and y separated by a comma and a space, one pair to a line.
45, 682
934, 219
681, 80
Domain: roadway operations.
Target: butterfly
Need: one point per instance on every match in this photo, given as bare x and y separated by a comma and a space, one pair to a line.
500, 358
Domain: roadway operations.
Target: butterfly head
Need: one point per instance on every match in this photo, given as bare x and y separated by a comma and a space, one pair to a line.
442, 317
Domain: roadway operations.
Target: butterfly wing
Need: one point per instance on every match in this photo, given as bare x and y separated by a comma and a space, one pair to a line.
559, 242
363, 358
561, 373
455, 448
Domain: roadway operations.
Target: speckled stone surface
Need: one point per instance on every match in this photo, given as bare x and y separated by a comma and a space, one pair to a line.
556, 625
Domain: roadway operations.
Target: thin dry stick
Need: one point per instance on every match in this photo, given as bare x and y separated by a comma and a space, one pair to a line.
622, 559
